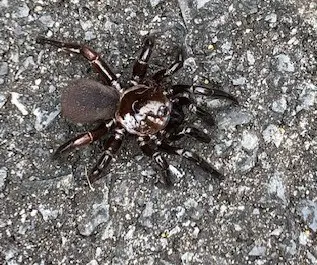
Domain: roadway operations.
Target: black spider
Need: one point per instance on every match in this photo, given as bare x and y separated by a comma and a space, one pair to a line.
146, 108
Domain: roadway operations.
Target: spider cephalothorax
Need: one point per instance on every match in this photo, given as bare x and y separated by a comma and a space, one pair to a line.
146, 108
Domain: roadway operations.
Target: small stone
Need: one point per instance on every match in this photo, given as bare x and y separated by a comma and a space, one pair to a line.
272, 18
21, 11
3, 100
307, 209
44, 118
239, 81
234, 118
257, 251
308, 97
276, 187
250, 58
273, 134
47, 21
249, 141
47, 213
99, 214
4, 69
154, 3
3, 177
279, 105
284, 63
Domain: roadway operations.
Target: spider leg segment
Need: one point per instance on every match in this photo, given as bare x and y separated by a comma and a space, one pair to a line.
84, 139
112, 146
175, 131
173, 68
202, 90
204, 115
192, 157
158, 158
141, 64
92, 56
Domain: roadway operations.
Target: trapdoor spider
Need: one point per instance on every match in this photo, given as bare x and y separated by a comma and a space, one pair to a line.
147, 109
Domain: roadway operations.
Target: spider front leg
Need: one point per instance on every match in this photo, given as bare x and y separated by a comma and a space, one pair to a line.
157, 157
192, 106
84, 139
192, 157
141, 64
202, 90
92, 56
175, 131
112, 146
173, 68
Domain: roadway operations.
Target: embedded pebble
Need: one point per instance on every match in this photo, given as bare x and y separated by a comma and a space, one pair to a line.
250, 58
249, 141
4, 69
307, 97
234, 118
273, 134
47, 21
155, 2
257, 251
21, 11
307, 209
201, 3
47, 213
239, 81
279, 105
3, 177
3, 100
284, 63
272, 18
277, 188
99, 215
44, 118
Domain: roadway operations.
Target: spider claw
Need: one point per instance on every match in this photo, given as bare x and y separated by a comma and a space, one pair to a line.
166, 179
215, 93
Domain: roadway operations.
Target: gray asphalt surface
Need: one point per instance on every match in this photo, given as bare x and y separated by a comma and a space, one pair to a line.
263, 212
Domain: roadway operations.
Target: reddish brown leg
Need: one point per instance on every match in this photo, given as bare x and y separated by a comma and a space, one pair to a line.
92, 56
140, 66
157, 157
174, 67
84, 139
112, 146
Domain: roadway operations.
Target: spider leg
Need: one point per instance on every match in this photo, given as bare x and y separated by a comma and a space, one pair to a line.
141, 64
202, 90
158, 158
173, 68
192, 106
192, 157
92, 56
112, 146
84, 138
175, 131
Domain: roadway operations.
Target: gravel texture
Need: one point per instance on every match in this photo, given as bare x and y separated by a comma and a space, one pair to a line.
263, 212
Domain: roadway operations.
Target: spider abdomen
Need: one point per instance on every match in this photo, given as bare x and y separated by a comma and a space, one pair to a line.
143, 110
88, 101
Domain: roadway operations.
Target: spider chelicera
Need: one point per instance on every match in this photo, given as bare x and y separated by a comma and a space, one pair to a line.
145, 107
